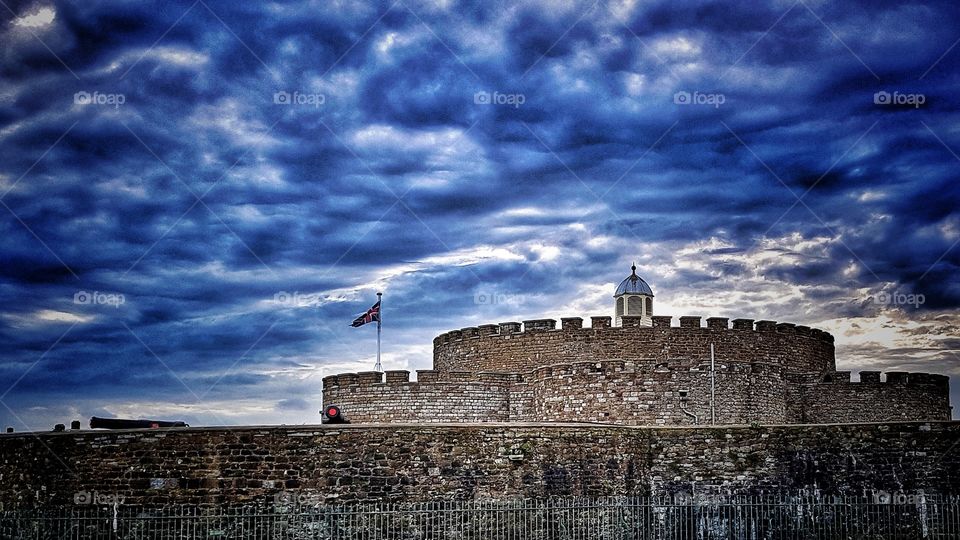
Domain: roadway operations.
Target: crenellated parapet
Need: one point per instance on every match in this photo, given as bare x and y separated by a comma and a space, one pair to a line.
835, 397
612, 391
452, 396
631, 323
524, 346
541, 370
640, 393
873, 377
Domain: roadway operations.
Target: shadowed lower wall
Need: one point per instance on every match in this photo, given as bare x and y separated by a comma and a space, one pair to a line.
208, 466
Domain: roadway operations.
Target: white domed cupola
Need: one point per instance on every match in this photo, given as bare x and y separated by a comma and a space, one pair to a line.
633, 297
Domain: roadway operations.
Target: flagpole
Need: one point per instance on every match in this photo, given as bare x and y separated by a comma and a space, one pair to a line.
378, 367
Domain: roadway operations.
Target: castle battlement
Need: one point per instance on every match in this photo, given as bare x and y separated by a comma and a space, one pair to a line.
646, 369
629, 324
521, 347
874, 377
763, 371
834, 397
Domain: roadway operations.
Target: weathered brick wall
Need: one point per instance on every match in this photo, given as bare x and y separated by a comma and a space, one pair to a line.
458, 397
522, 403
903, 396
505, 348
629, 393
640, 394
327, 464
766, 372
613, 392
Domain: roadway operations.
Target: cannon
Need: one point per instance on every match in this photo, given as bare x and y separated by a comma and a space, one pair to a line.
122, 423
333, 415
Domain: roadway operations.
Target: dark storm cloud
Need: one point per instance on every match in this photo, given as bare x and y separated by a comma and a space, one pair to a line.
208, 206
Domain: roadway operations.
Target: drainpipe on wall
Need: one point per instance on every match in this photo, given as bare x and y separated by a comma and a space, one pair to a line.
713, 389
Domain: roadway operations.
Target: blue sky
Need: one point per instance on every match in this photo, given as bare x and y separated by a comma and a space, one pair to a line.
198, 197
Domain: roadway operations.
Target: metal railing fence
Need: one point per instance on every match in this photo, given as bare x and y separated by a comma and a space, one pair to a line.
568, 518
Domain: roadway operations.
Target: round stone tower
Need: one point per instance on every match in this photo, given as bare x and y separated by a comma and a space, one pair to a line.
633, 297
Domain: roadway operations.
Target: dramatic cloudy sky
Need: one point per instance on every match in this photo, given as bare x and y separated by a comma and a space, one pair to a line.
197, 197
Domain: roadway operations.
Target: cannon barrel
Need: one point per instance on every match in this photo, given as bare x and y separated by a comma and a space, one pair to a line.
122, 423
332, 414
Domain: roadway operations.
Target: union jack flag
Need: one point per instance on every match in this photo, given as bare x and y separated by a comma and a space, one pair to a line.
372, 314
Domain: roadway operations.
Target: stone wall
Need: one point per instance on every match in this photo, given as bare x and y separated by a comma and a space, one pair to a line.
505, 348
628, 393
329, 464
458, 397
766, 372
831, 397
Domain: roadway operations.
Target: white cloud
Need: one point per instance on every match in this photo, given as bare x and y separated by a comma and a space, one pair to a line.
47, 316
40, 18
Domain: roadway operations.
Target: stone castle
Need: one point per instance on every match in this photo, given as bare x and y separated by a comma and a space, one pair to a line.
636, 368
620, 408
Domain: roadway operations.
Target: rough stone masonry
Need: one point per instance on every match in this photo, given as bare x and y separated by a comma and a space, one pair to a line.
403, 462
533, 410
764, 372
